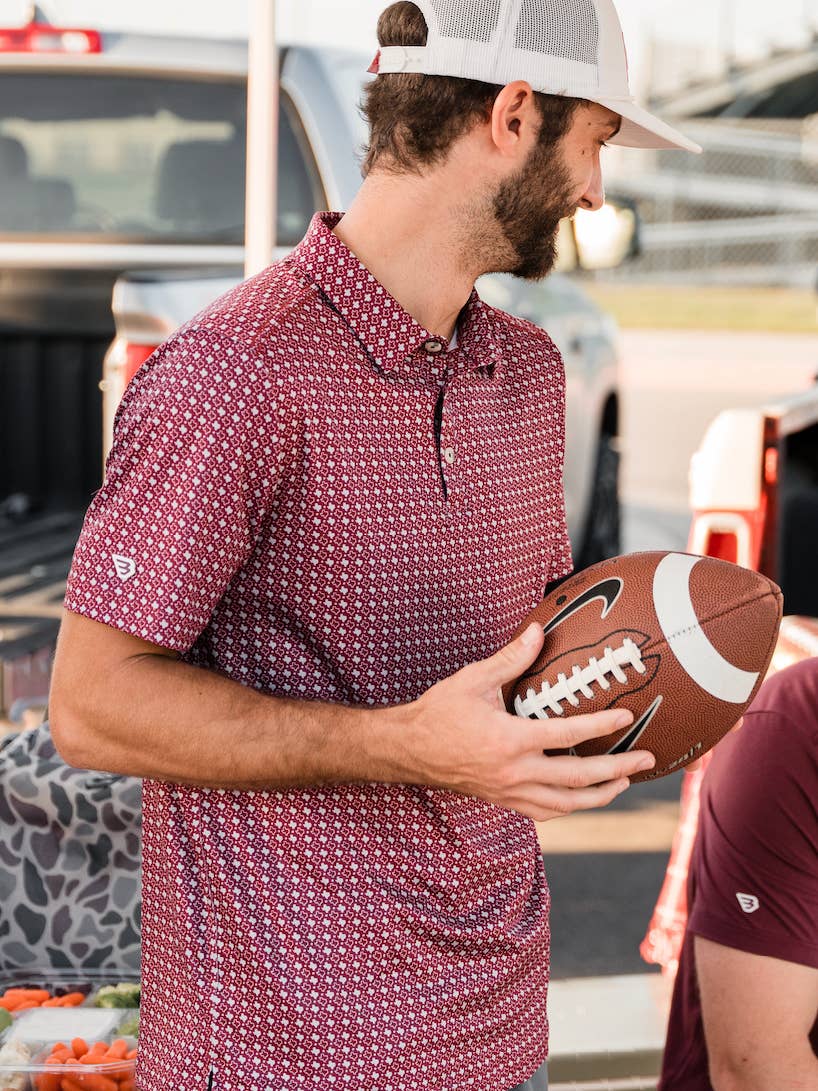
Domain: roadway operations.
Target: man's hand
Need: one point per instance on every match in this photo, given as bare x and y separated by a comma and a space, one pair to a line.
459, 736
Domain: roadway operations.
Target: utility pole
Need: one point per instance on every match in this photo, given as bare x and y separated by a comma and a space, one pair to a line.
262, 139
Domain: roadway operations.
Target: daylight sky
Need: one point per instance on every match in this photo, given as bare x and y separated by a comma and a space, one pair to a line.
750, 26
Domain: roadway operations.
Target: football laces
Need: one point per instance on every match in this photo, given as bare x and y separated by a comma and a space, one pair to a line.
552, 696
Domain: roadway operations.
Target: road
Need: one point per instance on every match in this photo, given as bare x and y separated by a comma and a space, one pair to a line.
606, 868
675, 382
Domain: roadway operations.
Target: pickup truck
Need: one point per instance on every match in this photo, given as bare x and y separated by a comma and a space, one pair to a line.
122, 171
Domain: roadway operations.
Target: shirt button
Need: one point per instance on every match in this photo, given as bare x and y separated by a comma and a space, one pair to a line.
449, 456
433, 346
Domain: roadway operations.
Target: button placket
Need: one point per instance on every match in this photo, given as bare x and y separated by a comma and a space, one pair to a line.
447, 448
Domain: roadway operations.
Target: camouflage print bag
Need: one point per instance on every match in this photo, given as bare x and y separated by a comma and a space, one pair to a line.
70, 852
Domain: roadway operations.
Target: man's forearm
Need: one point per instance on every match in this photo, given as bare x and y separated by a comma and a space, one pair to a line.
154, 716
121, 704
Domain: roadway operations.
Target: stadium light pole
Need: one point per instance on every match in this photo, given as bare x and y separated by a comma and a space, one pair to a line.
262, 138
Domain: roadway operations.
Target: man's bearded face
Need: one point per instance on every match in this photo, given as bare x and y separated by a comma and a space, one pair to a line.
529, 207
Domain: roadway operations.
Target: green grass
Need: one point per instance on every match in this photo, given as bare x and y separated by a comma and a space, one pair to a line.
648, 306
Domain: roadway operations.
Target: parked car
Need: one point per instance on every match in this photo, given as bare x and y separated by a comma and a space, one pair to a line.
122, 168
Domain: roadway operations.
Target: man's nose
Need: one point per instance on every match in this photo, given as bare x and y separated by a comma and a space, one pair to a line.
594, 196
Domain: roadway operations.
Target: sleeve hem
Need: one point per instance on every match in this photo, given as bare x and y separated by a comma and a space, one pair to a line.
142, 629
768, 945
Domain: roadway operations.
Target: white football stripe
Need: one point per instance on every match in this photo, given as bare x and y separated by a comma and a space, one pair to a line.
705, 665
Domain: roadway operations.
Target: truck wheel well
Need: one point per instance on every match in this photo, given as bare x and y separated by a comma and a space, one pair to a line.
610, 417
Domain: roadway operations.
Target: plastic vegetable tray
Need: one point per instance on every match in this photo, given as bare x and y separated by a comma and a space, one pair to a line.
27, 1046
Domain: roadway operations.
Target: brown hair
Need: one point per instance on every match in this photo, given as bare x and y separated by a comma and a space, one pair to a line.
414, 119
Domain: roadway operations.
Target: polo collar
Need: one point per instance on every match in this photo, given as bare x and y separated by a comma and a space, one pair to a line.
392, 338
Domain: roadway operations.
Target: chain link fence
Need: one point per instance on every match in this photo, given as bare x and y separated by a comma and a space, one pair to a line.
743, 212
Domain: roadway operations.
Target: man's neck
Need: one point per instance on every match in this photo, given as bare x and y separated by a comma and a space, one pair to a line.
404, 232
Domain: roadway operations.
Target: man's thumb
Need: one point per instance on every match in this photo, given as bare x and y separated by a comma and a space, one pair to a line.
511, 660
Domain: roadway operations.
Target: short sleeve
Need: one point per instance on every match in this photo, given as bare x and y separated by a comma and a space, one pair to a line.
755, 866
198, 448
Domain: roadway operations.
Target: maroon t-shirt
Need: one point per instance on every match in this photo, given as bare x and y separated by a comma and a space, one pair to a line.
753, 882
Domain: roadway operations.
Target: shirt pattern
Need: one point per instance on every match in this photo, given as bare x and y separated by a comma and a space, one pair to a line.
308, 493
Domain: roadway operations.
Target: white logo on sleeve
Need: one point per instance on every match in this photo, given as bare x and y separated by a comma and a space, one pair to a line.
748, 902
125, 567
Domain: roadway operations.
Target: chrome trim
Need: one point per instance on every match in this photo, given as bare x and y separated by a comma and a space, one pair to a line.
102, 255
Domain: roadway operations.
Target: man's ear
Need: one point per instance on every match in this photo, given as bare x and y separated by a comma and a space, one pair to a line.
514, 119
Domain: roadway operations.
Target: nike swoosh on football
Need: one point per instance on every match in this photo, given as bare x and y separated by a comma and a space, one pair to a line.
627, 742
608, 591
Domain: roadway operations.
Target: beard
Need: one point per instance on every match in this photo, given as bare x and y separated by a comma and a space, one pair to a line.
528, 209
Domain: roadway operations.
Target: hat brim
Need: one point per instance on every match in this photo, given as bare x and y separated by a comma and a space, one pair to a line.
642, 130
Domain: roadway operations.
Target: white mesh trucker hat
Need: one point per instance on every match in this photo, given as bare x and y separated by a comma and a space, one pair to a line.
573, 48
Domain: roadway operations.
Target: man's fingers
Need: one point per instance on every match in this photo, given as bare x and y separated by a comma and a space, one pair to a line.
567, 771
510, 662
543, 804
563, 732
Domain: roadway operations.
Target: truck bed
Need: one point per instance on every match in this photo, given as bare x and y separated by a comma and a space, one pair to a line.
35, 555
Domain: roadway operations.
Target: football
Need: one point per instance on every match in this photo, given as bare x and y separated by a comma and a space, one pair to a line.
682, 641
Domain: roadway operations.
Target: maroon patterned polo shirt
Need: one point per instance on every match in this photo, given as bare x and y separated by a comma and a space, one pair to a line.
309, 494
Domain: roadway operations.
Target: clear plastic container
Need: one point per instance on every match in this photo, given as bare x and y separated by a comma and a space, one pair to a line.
28, 1043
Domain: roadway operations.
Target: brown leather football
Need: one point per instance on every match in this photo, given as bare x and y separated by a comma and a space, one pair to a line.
681, 641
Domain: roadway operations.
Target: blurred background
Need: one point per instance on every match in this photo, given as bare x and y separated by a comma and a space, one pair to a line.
122, 183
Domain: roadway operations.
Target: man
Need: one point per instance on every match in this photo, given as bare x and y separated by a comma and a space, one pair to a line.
331, 499
744, 1015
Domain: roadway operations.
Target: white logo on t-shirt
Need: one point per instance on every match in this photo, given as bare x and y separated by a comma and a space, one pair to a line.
748, 902
125, 567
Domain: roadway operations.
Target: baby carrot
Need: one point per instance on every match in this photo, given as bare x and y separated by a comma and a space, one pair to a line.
27, 994
72, 1000
79, 1047
94, 1082
131, 1054
118, 1049
69, 1084
49, 1082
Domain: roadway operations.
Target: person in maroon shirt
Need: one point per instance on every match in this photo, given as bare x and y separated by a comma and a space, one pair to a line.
331, 499
744, 1015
